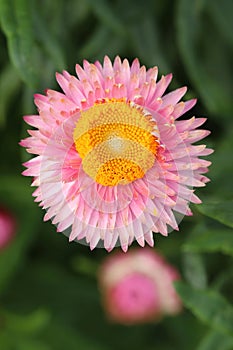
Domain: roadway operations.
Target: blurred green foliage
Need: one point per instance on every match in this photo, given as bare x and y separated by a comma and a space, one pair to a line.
49, 297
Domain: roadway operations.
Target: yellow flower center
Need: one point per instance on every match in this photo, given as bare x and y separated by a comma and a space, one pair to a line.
117, 141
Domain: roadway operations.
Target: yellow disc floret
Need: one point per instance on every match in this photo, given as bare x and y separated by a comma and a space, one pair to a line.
117, 171
117, 141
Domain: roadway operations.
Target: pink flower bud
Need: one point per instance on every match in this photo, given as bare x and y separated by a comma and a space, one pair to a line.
138, 287
7, 227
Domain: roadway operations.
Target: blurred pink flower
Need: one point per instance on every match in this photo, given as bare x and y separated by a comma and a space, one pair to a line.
7, 227
138, 287
113, 161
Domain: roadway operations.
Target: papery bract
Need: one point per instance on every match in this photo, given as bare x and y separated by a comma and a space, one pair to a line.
114, 162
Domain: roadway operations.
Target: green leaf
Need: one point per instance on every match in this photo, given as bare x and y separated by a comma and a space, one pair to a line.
15, 17
9, 84
105, 12
78, 11
28, 324
31, 344
24, 332
220, 211
205, 239
202, 59
74, 302
84, 265
221, 169
21, 331
222, 15
217, 341
143, 36
9, 341
60, 337
101, 41
209, 306
47, 40
95, 44
194, 270
15, 193
223, 279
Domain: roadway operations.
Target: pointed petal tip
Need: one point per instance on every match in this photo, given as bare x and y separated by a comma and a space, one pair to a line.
85, 62
136, 60
71, 239
149, 239
109, 249
190, 104
124, 248
58, 75
106, 57
169, 76
141, 241
210, 151
38, 96
151, 244
21, 143
73, 235
46, 217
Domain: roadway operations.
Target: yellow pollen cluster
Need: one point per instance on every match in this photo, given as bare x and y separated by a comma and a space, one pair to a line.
117, 141
117, 171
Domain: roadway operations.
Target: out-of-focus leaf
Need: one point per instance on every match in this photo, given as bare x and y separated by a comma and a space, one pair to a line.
94, 45
15, 17
28, 324
77, 11
74, 303
102, 42
147, 42
181, 340
9, 83
23, 331
15, 192
48, 41
8, 341
204, 58
28, 344
84, 265
39, 331
222, 15
221, 169
60, 337
209, 306
217, 341
105, 12
194, 270
220, 211
205, 239
224, 278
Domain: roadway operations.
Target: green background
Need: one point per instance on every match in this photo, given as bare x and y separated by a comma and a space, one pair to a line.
49, 297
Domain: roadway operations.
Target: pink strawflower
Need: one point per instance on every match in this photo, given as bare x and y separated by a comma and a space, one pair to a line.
7, 227
113, 162
138, 287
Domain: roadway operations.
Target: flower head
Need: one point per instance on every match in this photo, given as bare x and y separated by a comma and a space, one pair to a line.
7, 227
113, 162
138, 287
